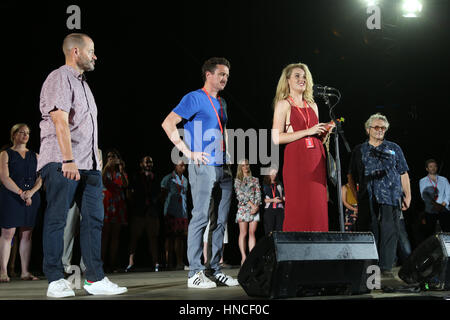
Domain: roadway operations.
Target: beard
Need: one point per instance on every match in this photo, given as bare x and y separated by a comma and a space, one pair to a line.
86, 64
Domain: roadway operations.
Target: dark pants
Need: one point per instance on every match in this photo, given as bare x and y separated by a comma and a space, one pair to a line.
149, 224
385, 227
60, 194
404, 246
273, 219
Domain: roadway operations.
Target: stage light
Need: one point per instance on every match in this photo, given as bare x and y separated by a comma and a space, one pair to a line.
371, 3
411, 8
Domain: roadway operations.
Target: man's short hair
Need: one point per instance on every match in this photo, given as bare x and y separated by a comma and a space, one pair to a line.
430, 161
74, 40
210, 65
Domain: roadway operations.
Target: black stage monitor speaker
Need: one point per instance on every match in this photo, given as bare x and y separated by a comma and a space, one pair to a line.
429, 264
295, 264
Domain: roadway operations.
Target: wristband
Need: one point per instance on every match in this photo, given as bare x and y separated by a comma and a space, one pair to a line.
68, 161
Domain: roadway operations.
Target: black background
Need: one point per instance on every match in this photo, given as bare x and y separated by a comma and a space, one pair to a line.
150, 55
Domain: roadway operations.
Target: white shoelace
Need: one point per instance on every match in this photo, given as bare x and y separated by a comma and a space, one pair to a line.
109, 283
201, 277
62, 284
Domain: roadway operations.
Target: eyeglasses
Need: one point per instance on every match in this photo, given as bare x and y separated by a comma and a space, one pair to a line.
378, 128
24, 132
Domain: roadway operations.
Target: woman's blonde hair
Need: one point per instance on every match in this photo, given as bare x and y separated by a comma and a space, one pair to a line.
15, 128
239, 172
283, 87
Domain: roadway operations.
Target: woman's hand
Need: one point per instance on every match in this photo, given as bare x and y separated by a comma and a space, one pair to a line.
254, 208
28, 194
28, 202
277, 200
318, 129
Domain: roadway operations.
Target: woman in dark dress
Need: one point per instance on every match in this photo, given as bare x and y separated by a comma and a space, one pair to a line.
19, 199
273, 194
296, 120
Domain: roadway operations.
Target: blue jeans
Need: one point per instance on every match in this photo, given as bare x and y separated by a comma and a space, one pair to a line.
61, 193
203, 180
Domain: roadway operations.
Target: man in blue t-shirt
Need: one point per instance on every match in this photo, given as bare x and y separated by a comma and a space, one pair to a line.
380, 170
204, 116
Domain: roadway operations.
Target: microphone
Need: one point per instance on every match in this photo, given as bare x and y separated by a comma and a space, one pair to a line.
319, 91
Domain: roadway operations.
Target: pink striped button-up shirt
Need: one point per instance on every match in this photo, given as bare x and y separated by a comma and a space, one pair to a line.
66, 89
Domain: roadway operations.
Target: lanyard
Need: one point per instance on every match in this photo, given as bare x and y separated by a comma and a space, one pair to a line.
179, 187
273, 187
301, 112
217, 115
434, 187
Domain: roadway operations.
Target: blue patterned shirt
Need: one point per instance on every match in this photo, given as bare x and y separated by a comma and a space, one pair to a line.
176, 201
383, 166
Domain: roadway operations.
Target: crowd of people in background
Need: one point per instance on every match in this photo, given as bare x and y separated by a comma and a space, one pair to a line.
185, 215
155, 203
159, 204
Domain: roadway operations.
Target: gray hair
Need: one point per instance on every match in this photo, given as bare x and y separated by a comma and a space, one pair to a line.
376, 116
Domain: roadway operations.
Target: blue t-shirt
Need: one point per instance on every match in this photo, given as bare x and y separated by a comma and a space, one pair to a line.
383, 166
202, 130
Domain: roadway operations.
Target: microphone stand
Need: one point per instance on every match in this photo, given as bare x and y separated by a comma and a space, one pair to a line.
338, 132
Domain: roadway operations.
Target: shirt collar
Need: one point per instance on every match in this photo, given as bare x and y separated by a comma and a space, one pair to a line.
75, 73
373, 147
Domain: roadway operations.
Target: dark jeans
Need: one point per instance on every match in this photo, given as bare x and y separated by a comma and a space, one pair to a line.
385, 227
404, 246
61, 192
273, 219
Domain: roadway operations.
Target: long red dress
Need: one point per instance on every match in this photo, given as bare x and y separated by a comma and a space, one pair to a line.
304, 177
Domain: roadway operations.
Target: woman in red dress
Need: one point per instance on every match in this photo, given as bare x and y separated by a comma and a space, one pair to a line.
115, 181
296, 119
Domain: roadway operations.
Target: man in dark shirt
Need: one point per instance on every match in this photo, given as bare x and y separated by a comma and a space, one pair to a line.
144, 215
379, 173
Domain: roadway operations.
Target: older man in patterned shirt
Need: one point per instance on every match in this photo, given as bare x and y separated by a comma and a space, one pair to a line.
380, 170
70, 168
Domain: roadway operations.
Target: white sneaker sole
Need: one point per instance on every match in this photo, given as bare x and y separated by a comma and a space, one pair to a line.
61, 295
201, 287
104, 293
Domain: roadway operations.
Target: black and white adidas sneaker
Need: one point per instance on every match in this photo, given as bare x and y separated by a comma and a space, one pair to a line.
200, 281
224, 280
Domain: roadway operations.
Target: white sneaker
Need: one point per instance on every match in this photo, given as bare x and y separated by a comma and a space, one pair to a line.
223, 279
200, 281
60, 289
103, 287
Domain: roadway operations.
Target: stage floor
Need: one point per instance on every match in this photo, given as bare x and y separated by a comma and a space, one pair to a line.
172, 285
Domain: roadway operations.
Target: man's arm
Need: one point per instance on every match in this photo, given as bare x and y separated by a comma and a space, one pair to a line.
170, 127
447, 194
61, 121
406, 202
